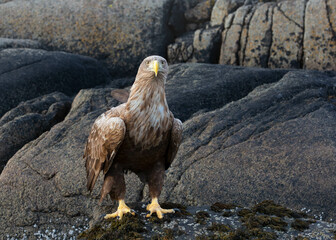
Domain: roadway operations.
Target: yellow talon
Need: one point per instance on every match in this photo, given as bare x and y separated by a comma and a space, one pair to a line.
154, 206
122, 209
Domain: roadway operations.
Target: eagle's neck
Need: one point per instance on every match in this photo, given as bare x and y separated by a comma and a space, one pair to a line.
148, 113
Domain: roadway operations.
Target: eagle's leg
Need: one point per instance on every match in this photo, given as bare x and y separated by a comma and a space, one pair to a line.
155, 183
114, 185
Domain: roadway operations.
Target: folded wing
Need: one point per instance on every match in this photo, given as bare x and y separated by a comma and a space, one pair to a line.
106, 136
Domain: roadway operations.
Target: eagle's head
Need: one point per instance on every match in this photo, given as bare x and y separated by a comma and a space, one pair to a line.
154, 66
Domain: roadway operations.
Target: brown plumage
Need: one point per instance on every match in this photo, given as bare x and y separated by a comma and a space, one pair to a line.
140, 135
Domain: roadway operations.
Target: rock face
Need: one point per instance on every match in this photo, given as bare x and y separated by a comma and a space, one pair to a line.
43, 184
113, 31
276, 143
28, 121
29, 73
282, 34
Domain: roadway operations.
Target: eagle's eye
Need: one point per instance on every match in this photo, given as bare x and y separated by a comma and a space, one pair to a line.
162, 62
147, 62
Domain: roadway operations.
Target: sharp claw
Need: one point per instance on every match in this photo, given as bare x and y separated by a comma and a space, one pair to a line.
176, 210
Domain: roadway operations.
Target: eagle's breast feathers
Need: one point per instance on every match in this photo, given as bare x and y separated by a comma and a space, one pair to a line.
147, 116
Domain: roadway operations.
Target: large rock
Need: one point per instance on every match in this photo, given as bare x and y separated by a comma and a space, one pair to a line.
29, 73
28, 121
121, 33
276, 143
43, 184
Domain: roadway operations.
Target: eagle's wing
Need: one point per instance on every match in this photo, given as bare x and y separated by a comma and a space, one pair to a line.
106, 136
174, 143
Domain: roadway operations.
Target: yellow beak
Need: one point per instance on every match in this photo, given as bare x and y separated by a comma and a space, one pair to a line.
156, 67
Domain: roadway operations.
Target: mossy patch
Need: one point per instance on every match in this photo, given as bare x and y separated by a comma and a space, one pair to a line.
130, 227
259, 221
270, 208
218, 207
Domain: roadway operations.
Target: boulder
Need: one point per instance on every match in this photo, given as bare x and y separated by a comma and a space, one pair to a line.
120, 33
276, 143
29, 73
28, 121
42, 188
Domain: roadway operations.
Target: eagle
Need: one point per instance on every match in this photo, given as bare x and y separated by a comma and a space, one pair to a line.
140, 135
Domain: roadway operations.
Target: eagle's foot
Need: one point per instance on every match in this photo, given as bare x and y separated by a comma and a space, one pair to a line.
154, 206
122, 209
